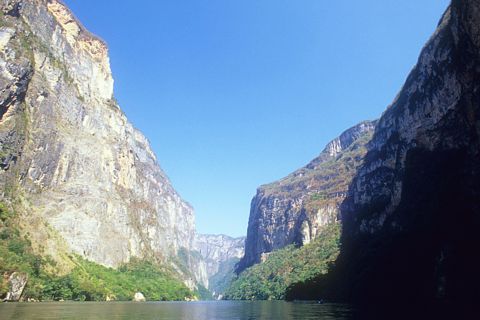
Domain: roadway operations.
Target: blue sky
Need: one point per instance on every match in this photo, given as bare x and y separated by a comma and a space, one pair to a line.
235, 94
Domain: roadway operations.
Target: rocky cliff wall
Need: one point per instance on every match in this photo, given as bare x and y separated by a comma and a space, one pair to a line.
216, 249
220, 254
411, 219
296, 208
82, 177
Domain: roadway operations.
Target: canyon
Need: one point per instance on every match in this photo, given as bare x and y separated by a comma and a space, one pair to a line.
410, 207
396, 199
81, 177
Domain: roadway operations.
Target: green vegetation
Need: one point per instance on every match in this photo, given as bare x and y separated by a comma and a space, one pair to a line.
3, 23
269, 280
220, 282
203, 293
15, 251
155, 282
87, 281
318, 196
328, 174
185, 259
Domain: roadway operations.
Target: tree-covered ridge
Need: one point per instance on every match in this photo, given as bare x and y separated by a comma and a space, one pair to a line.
87, 280
269, 280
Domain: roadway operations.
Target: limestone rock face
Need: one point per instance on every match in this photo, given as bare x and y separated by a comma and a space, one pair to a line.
16, 284
220, 254
216, 249
196, 265
83, 178
139, 297
412, 216
294, 209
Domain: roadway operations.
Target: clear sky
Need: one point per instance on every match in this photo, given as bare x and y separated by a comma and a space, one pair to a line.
233, 94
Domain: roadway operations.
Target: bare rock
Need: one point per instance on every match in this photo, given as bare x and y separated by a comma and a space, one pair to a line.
139, 297
16, 284
294, 209
412, 215
89, 180
220, 253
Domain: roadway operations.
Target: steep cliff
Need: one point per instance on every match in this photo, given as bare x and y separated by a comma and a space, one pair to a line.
411, 219
296, 208
82, 178
220, 253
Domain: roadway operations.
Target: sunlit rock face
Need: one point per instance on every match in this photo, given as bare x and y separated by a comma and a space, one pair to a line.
216, 249
83, 179
296, 208
220, 253
411, 220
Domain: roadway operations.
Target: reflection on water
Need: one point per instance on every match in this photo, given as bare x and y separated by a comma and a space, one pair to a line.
209, 310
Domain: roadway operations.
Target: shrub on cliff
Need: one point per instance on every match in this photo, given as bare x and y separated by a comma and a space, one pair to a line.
269, 280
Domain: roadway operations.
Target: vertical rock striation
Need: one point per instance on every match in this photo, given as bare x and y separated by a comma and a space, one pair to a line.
296, 208
220, 254
82, 177
216, 249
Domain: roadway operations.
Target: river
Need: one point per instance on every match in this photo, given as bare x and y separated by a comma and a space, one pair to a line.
204, 310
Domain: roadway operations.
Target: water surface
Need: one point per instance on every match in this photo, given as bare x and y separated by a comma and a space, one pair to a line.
208, 310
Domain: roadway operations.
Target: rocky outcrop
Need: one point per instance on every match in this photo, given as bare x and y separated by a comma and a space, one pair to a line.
83, 179
16, 284
296, 208
411, 219
220, 253
139, 297
193, 265
218, 248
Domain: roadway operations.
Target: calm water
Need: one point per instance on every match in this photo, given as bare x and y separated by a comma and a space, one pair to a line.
234, 310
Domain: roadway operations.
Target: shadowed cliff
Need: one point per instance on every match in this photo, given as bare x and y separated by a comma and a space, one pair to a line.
412, 214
